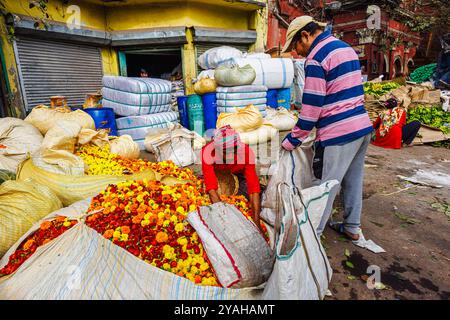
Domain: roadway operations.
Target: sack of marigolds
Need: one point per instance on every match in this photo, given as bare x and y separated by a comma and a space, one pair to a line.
139, 246
77, 163
18, 139
44, 117
23, 203
175, 143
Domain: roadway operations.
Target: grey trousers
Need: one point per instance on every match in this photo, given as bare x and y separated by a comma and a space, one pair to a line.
345, 163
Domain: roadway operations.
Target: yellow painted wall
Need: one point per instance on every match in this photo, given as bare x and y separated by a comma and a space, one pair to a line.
153, 15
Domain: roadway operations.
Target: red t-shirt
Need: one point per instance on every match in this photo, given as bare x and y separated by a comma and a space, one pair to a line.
393, 138
244, 163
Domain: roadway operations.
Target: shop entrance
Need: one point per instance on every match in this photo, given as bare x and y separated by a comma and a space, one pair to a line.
162, 63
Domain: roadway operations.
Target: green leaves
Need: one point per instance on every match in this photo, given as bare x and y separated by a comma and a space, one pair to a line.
349, 264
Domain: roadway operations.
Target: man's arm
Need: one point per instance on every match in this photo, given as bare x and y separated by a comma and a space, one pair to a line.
312, 103
255, 204
209, 175
214, 196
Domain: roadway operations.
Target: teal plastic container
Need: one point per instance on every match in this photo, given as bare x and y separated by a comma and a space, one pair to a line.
195, 114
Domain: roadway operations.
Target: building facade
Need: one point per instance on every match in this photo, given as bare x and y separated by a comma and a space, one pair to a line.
68, 47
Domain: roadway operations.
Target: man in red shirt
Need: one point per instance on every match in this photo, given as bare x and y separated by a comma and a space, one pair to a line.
227, 153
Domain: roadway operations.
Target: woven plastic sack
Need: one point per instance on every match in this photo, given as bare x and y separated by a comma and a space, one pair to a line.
263, 134
70, 188
234, 76
57, 150
302, 270
205, 85
294, 168
246, 119
82, 264
214, 57
23, 203
281, 118
239, 254
17, 139
44, 117
125, 147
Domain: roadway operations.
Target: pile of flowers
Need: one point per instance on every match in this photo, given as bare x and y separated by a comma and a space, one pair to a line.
147, 218
101, 161
48, 231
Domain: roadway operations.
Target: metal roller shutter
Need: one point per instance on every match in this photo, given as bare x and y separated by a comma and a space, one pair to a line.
202, 48
50, 68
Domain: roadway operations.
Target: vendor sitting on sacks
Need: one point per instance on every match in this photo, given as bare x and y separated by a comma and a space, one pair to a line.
228, 153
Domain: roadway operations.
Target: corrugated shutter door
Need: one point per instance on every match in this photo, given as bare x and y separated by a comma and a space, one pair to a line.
202, 48
53, 68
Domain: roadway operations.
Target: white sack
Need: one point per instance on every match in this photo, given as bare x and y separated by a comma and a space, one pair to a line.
215, 57
137, 85
281, 118
274, 73
239, 254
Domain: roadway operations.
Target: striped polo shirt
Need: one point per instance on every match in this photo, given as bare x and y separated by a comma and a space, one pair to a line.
333, 97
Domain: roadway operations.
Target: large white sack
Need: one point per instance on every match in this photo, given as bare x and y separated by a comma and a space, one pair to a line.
138, 126
82, 265
241, 95
124, 146
260, 107
137, 85
214, 57
299, 81
281, 118
257, 55
234, 75
302, 270
136, 99
174, 143
294, 168
239, 254
274, 73
246, 119
242, 89
17, 139
240, 102
134, 110
263, 134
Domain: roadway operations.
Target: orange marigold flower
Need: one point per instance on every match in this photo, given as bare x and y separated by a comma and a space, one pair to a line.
28, 244
161, 237
60, 219
125, 229
108, 233
198, 279
46, 241
45, 225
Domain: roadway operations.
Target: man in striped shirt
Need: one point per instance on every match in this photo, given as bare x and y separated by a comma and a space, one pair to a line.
333, 103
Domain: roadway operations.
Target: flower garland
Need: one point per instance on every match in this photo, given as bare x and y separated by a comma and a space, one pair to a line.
48, 231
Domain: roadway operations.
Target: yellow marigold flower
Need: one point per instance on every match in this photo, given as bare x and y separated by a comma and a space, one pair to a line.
174, 219
147, 216
182, 241
194, 270
168, 256
192, 207
123, 237
180, 210
145, 223
166, 266
179, 227
116, 234
160, 215
204, 266
166, 223
67, 223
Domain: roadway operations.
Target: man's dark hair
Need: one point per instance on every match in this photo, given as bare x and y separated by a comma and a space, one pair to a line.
311, 28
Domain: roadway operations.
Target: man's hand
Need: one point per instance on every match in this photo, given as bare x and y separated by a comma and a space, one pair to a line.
286, 144
255, 204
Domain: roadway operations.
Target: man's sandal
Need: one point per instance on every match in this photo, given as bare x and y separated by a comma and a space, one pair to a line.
339, 228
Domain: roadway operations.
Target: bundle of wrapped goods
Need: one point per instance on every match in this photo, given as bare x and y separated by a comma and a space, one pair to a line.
136, 96
138, 126
232, 99
215, 57
275, 73
177, 91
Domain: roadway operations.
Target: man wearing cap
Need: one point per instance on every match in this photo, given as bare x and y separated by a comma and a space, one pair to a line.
228, 153
333, 102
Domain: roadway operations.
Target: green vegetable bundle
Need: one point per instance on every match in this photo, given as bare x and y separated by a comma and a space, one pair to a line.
379, 89
423, 73
432, 116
